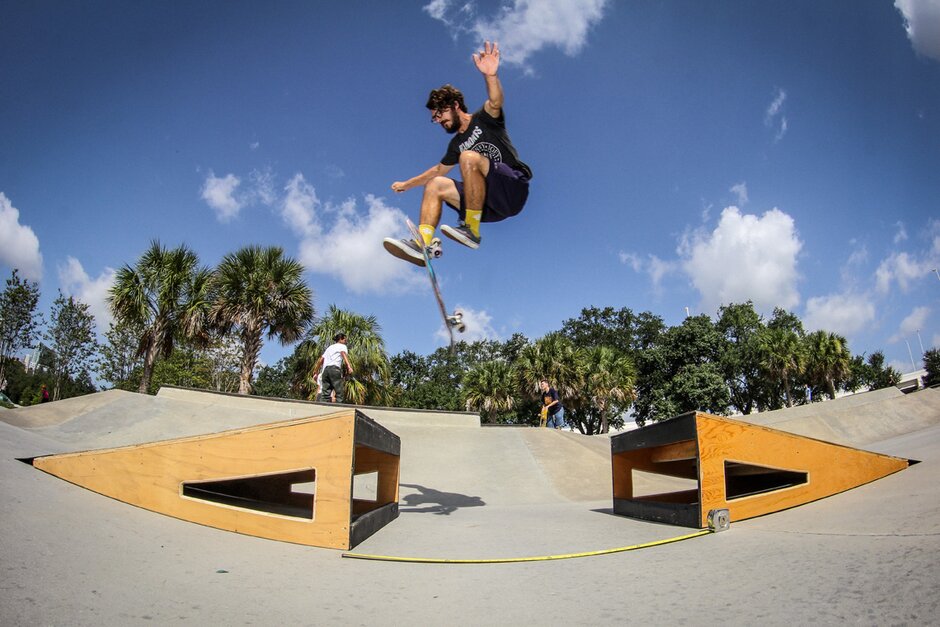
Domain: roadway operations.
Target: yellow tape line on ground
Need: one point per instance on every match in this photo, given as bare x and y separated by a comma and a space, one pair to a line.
509, 560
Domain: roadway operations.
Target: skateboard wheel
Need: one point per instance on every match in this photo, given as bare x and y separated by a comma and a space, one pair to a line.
461, 327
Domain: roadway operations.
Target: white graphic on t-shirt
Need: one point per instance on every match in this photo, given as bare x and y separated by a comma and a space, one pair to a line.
490, 151
468, 143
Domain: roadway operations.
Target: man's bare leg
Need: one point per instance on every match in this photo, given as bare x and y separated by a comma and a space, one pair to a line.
437, 191
473, 170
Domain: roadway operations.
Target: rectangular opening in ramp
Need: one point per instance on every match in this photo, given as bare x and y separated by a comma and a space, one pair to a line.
743, 480
284, 494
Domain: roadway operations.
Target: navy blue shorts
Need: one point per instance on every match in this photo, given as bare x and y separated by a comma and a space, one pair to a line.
506, 193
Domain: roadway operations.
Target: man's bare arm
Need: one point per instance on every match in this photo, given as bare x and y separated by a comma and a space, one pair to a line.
487, 61
438, 170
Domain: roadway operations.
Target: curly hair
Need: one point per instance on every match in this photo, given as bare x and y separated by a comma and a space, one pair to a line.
444, 97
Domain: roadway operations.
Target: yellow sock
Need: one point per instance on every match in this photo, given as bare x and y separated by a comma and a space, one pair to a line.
427, 232
472, 219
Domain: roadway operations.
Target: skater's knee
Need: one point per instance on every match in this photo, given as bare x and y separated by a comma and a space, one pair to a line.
471, 161
471, 158
440, 187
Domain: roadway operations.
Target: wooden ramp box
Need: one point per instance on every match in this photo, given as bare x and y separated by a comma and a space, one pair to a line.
295, 481
747, 469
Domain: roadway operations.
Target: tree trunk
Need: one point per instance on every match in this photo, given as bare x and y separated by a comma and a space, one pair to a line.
786, 390
149, 357
252, 346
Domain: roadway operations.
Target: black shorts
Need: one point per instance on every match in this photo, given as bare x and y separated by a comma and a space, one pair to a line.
506, 193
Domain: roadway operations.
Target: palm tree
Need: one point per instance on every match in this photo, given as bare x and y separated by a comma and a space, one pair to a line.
609, 380
554, 358
490, 389
828, 360
781, 356
257, 291
370, 385
167, 296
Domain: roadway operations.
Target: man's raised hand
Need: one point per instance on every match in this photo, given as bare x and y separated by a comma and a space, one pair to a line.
487, 60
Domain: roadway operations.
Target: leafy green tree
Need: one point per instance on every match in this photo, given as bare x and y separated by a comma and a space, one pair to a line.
680, 358
781, 355
491, 388
609, 380
408, 375
369, 384
699, 387
275, 380
260, 291
71, 336
187, 366
828, 361
167, 296
741, 326
620, 329
879, 375
19, 324
224, 358
555, 359
932, 366
436, 381
118, 357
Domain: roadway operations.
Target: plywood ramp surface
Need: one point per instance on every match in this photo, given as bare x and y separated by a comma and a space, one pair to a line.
243, 480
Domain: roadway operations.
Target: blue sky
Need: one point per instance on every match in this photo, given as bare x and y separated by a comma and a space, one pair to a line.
686, 154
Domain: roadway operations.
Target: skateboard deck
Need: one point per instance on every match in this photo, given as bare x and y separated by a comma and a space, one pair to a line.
451, 321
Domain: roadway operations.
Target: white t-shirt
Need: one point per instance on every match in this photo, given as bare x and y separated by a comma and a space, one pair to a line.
333, 355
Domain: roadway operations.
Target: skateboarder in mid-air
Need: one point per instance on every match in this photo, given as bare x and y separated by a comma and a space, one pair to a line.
495, 183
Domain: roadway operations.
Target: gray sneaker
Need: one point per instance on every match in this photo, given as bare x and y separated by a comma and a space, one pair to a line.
404, 249
462, 235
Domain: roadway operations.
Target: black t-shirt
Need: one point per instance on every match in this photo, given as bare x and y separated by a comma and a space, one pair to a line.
548, 397
487, 136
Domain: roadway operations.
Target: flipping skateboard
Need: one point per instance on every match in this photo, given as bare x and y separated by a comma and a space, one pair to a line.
451, 321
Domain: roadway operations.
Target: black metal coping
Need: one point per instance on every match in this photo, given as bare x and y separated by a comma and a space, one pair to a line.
670, 431
370, 433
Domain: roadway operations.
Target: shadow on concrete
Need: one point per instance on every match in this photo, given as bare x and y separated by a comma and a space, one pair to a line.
440, 503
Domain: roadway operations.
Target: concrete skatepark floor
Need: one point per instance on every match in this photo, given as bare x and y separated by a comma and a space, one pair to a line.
70, 556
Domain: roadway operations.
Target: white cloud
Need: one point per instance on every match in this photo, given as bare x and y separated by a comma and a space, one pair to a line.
19, 246
900, 268
745, 257
922, 23
219, 194
631, 259
479, 326
75, 282
437, 9
740, 190
905, 268
653, 266
901, 234
299, 207
524, 27
262, 187
343, 242
774, 117
916, 321
840, 313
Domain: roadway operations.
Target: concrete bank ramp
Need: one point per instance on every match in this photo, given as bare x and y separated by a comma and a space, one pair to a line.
857, 420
